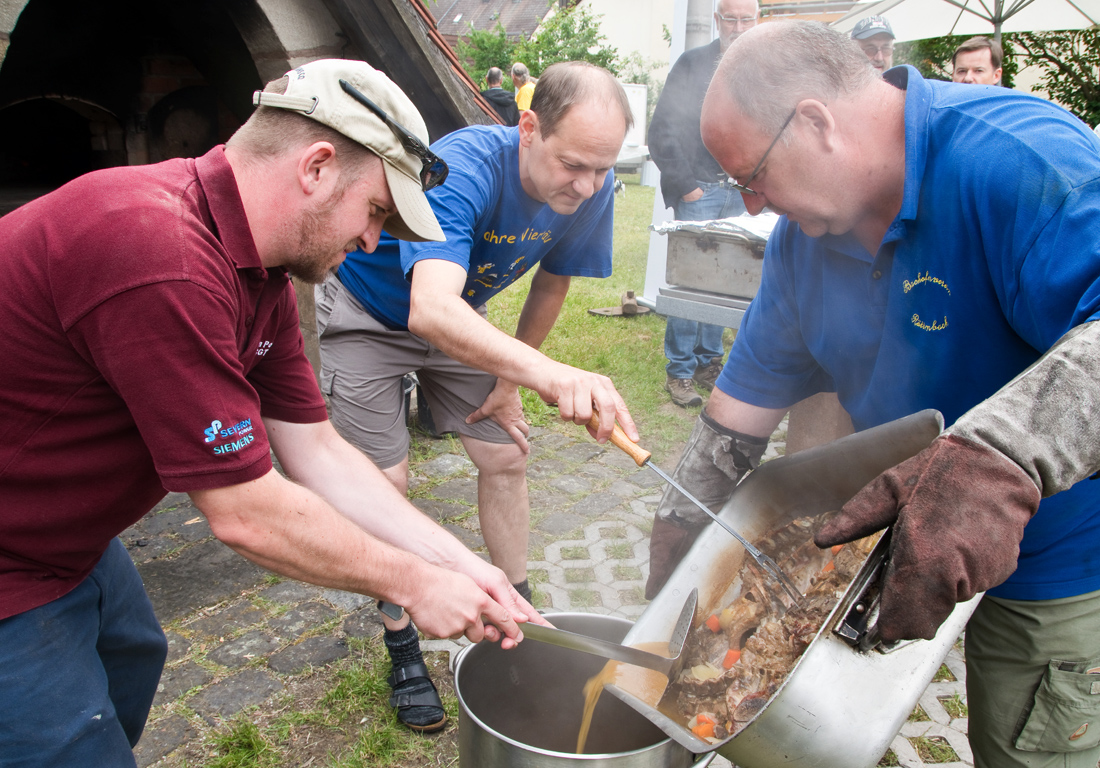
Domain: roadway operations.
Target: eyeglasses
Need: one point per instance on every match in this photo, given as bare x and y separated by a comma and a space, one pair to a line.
434, 171
872, 49
749, 22
743, 188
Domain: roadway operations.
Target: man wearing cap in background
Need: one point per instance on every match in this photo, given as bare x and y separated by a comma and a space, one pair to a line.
516, 199
151, 342
938, 249
499, 99
978, 60
692, 184
875, 37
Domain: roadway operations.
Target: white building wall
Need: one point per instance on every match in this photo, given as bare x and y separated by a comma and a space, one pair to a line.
636, 26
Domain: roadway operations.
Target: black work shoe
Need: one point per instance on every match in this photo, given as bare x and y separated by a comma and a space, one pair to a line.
708, 374
683, 394
414, 694
419, 707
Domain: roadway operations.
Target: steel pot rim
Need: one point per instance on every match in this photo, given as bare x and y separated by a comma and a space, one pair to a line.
465, 711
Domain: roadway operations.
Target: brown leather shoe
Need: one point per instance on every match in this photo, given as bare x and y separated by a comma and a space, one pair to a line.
683, 393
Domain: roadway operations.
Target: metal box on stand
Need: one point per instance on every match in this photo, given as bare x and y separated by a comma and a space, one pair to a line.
713, 271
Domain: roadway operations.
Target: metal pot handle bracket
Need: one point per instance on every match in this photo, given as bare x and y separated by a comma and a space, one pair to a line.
858, 622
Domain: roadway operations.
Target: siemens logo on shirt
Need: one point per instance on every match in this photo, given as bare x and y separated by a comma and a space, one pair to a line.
236, 445
242, 430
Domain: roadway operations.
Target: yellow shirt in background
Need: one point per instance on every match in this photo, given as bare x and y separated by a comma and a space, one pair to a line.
523, 96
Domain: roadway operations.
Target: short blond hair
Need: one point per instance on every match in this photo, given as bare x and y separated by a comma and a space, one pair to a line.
271, 132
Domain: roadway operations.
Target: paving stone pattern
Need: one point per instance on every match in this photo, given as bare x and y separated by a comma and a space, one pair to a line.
240, 638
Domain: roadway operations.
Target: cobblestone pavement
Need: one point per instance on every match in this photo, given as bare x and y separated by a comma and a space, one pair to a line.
240, 638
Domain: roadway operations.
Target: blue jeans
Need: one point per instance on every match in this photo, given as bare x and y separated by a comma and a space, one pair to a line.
688, 344
78, 674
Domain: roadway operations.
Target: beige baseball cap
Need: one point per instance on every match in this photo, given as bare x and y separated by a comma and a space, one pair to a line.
327, 89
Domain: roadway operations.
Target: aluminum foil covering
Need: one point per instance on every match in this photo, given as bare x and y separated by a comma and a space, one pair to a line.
756, 228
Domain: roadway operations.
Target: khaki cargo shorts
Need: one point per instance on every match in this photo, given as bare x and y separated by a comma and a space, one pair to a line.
362, 365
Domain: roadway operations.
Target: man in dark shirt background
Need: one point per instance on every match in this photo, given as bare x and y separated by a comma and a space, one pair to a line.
501, 100
693, 185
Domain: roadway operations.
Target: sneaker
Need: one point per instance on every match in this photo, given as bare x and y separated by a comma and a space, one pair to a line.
708, 374
683, 394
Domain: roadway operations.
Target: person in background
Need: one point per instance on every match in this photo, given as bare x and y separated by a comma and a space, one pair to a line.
875, 37
694, 186
524, 84
938, 249
978, 60
535, 197
152, 336
499, 99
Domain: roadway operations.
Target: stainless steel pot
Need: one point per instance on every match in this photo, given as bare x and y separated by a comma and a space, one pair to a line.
522, 708
841, 704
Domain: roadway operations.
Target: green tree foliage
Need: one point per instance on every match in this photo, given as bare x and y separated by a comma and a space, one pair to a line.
1070, 65
932, 57
480, 49
569, 35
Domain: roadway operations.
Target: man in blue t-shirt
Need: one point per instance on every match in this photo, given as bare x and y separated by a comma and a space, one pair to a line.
938, 249
515, 199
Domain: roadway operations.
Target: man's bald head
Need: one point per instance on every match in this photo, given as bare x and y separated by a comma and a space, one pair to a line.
772, 67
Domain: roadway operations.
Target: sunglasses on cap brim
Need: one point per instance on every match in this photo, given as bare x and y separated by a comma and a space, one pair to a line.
434, 170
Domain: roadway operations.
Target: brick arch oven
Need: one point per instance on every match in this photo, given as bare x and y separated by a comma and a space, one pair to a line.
90, 84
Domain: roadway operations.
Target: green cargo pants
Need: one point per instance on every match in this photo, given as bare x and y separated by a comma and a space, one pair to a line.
1033, 682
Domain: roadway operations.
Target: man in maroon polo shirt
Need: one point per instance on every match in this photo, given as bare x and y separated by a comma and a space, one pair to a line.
151, 343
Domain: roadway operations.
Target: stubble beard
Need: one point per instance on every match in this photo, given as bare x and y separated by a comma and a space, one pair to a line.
316, 260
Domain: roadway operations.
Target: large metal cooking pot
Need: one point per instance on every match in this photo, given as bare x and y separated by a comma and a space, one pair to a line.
846, 697
522, 708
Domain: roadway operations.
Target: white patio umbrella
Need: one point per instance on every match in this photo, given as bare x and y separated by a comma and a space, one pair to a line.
921, 19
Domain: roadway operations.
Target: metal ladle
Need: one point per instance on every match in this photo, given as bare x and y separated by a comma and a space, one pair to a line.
669, 666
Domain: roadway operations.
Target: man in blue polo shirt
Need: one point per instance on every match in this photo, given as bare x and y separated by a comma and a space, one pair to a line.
515, 199
938, 241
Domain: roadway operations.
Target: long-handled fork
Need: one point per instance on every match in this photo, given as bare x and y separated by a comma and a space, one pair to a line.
642, 459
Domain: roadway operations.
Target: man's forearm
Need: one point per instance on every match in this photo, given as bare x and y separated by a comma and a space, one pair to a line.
293, 531
319, 459
439, 314
290, 530
466, 336
741, 417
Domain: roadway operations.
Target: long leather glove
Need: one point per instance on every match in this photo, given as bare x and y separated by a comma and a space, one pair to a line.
959, 507
1047, 419
714, 461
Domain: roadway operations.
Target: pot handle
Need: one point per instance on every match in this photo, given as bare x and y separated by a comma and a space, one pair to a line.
704, 760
